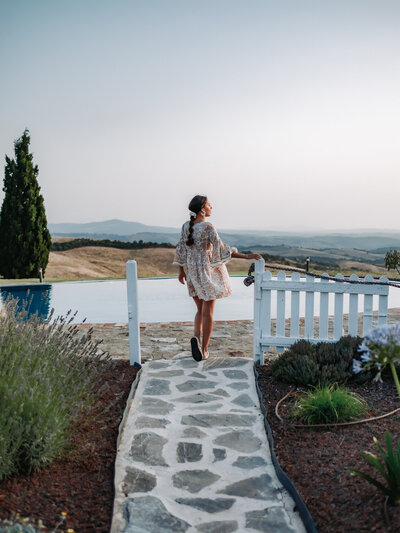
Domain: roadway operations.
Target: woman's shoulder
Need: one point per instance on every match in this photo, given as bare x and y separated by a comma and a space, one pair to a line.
207, 224
210, 227
203, 225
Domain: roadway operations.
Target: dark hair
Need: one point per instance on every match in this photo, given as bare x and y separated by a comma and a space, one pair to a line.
196, 205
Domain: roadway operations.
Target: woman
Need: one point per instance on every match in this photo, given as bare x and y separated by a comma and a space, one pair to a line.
204, 254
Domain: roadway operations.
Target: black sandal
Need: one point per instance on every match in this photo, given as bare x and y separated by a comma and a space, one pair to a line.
196, 351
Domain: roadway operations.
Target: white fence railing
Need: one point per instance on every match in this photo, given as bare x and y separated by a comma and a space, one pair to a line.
133, 313
288, 329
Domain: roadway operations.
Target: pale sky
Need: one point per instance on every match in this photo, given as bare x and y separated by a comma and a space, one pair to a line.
285, 113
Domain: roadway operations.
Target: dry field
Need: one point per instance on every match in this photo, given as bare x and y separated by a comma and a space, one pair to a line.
98, 262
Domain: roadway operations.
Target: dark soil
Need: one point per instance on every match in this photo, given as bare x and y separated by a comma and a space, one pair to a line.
319, 462
81, 483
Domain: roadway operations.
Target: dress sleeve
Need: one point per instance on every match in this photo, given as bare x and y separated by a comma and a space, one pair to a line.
221, 252
180, 251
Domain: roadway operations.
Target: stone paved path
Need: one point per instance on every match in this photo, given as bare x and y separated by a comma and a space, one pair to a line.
193, 454
166, 340
162, 340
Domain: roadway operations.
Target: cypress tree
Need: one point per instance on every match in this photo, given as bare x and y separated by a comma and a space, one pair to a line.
25, 241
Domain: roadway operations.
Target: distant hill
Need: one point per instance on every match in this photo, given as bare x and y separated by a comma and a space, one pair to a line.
134, 231
325, 240
107, 227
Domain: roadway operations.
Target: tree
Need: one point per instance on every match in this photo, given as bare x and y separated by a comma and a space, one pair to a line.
392, 260
25, 241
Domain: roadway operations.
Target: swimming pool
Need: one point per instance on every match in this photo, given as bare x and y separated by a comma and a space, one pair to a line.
160, 300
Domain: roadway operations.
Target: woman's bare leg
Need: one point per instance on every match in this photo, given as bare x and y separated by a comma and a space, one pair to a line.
198, 319
207, 315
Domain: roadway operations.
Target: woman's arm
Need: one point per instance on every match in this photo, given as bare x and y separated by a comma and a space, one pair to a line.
238, 255
182, 275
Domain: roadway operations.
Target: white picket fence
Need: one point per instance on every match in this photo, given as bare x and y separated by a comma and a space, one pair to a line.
287, 330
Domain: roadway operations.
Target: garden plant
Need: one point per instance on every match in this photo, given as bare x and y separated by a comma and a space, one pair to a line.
305, 364
330, 404
48, 376
380, 349
388, 465
18, 524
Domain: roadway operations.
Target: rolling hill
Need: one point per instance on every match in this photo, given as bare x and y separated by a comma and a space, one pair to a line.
99, 262
135, 231
345, 251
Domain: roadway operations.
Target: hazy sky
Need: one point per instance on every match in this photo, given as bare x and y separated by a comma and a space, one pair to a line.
285, 113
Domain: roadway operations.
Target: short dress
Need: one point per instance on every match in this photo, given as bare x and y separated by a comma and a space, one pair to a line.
206, 274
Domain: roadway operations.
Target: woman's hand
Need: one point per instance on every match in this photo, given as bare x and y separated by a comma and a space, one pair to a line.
254, 256
182, 275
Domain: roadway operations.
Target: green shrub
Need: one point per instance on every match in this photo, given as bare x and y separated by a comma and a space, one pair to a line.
48, 375
306, 364
297, 365
329, 405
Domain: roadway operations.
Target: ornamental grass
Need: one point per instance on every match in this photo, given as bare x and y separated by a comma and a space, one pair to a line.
329, 404
48, 377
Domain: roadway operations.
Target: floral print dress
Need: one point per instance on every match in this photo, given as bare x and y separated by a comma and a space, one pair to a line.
206, 274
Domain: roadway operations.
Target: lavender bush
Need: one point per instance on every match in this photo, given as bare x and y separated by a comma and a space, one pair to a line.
48, 373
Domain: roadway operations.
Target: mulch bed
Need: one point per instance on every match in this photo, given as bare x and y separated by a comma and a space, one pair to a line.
82, 482
319, 462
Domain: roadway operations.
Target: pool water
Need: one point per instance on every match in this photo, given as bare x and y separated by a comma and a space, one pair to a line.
34, 299
160, 300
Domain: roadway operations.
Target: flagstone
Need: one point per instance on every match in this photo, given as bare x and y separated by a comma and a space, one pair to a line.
147, 514
188, 452
194, 480
214, 505
147, 448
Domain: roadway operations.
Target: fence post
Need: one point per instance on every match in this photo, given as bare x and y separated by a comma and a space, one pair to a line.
258, 274
133, 313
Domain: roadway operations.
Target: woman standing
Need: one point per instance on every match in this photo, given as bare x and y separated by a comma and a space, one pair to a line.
204, 255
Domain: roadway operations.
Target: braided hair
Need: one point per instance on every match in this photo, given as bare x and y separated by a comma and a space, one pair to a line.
196, 205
